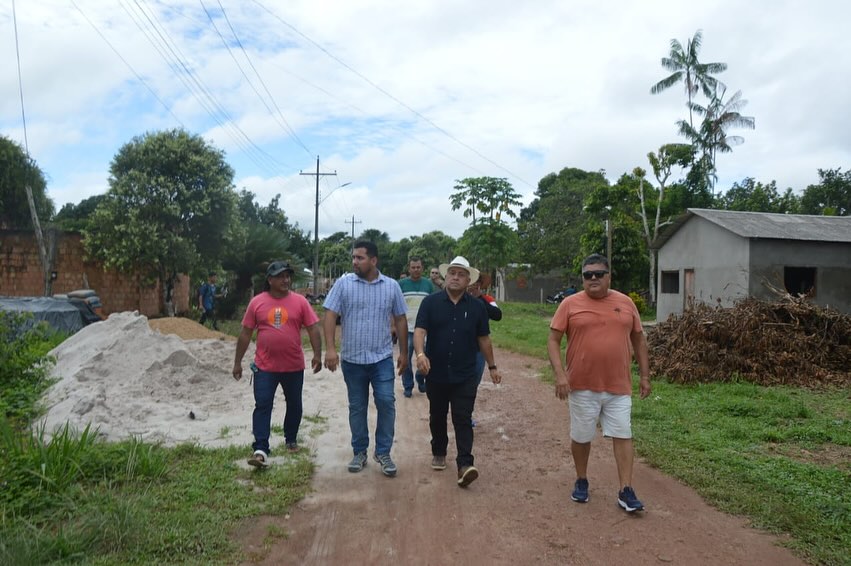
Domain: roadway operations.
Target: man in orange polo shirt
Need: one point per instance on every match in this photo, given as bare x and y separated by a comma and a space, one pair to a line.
600, 324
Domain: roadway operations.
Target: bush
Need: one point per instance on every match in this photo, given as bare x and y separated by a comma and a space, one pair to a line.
639, 301
24, 364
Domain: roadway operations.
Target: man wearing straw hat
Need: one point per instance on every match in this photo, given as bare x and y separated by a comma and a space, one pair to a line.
456, 325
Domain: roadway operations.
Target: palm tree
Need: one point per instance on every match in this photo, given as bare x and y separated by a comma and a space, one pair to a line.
686, 68
718, 117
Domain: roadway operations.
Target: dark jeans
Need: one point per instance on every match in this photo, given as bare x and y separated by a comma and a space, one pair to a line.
265, 386
460, 399
211, 316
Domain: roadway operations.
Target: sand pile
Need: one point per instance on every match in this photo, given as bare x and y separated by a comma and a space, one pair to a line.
129, 380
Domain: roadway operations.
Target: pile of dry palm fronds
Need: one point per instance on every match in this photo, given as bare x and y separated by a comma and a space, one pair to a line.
788, 341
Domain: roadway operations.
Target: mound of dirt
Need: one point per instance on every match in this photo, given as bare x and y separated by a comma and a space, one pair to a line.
186, 329
789, 341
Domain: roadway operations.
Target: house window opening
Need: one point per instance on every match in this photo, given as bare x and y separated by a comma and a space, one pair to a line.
800, 280
671, 282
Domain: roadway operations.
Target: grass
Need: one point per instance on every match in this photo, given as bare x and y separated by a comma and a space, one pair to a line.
779, 456
77, 499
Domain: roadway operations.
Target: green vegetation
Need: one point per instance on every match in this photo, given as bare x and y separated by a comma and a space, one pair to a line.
75, 498
779, 456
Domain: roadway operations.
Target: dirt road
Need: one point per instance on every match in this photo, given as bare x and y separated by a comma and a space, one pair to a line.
518, 512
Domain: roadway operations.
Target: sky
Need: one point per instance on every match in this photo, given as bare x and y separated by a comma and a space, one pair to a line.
402, 99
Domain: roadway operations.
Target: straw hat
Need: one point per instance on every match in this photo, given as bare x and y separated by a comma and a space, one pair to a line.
461, 262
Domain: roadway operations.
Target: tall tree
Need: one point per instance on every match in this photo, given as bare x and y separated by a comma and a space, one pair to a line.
614, 207
712, 137
831, 196
489, 241
490, 197
168, 210
686, 68
17, 170
550, 227
662, 163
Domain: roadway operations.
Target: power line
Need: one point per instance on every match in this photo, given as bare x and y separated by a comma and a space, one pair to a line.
389, 95
162, 42
127, 64
282, 121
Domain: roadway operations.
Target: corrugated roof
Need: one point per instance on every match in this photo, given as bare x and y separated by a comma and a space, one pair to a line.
767, 225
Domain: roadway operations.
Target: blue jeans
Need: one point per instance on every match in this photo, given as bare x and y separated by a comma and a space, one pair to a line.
408, 376
358, 378
480, 367
265, 386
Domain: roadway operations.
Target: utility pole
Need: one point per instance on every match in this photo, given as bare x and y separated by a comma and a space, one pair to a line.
609, 236
316, 226
353, 222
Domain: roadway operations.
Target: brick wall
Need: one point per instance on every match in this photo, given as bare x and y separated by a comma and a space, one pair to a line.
21, 275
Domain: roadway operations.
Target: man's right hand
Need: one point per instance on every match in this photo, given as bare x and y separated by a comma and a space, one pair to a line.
331, 360
237, 371
562, 387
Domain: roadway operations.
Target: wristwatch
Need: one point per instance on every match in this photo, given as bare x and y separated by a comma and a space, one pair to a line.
491, 367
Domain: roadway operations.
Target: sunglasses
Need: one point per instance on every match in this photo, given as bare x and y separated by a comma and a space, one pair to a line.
589, 275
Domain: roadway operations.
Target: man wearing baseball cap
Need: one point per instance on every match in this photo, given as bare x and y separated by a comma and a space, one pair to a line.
278, 315
456, 325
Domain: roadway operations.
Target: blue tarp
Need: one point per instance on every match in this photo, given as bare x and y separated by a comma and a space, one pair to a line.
60, 314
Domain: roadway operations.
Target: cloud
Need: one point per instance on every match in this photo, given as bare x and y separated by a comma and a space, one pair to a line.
402, 102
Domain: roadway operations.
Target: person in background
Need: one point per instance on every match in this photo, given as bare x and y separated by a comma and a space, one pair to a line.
367, 301
415, 288
494, 313
601, 325
436, 279
278, 315
207, 296
451, 328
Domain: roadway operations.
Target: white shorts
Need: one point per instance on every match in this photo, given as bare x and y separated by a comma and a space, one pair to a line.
588, 407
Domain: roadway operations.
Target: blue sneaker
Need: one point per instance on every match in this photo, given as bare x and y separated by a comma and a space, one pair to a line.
628, 501
408, 394
580, 491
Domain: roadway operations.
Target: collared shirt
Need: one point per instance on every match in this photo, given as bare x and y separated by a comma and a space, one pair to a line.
366, 310
453, 332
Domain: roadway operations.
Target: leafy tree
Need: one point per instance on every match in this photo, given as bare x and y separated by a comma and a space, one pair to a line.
686, 68
618, 205
75, 217
434, 247
17, 170
490, 197
753, 196
551, 226
249, 252
489, 244
274, 217
831, 196
168, 209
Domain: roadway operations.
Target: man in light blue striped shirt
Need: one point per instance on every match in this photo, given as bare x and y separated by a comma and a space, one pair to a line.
367, 302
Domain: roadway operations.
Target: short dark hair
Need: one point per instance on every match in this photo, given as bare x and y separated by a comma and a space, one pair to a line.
370, 247
415, 258
595, 258
211, 274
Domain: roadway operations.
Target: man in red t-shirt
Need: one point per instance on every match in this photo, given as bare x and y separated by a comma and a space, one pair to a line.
601, 324
278, 316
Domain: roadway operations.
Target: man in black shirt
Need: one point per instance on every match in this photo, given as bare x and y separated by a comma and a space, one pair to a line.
456, 325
